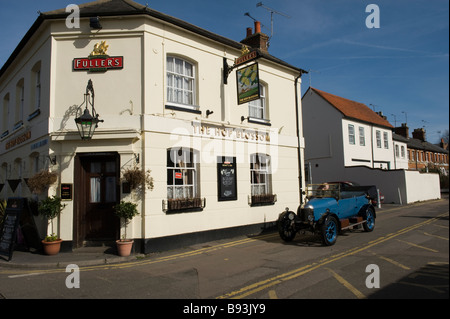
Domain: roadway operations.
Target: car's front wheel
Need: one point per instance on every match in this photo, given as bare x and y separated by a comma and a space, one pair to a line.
329, 231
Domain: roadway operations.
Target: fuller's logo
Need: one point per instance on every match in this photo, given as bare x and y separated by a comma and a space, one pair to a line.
98, 60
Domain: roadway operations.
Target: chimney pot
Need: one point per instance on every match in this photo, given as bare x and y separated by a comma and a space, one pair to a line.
249, 32
257, 27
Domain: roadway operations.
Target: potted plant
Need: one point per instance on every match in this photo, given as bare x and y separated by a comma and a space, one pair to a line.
50, 208
126, 212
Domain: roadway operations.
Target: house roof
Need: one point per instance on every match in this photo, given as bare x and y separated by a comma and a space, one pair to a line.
352, 109
128, 7
417, 144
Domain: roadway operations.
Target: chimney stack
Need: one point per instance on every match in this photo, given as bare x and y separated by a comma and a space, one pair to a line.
403, 130
257, 40
419, 133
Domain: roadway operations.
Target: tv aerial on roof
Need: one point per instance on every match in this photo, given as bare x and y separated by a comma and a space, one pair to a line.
272, 11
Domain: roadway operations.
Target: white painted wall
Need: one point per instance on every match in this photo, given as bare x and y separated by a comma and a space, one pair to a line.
397, 186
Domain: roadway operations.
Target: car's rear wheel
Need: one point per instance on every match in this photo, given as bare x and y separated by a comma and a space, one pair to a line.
369, 217
329, 230
285, 228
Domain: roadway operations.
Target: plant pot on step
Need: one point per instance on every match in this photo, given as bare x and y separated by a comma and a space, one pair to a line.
124, 247
51, 247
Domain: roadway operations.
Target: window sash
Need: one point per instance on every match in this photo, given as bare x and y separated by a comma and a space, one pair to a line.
180, 81
38, 89
260, 175
378, 134
386, 141
362, 136
257, 108
182, 174
351, 134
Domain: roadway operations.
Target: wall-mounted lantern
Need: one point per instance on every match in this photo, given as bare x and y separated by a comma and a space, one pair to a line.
87, 123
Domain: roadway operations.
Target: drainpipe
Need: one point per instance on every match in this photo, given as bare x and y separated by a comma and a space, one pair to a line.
300, 164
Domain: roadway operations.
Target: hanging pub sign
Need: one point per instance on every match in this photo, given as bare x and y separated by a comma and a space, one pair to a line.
247, 80
98, 60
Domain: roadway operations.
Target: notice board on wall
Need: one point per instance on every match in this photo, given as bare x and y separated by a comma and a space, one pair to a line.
226, 178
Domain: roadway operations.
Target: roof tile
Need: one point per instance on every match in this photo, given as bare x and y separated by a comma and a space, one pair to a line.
353, 109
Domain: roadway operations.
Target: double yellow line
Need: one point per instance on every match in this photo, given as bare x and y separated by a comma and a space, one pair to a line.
149, 260
270, 282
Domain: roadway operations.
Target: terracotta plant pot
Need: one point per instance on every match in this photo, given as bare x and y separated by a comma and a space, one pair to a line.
124, 247
52, 247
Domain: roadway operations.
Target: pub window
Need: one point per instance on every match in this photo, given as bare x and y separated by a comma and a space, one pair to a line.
37, 92
351, 134
257, 109
261, 180
5, 115
396, 151
183, 174
403, 151
181, 82
20, 98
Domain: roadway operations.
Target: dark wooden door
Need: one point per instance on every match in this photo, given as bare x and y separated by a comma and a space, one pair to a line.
98, 191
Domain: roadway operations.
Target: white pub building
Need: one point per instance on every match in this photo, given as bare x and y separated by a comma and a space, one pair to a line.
217, 122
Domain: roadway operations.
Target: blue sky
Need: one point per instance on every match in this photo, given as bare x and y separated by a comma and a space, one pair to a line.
401, 68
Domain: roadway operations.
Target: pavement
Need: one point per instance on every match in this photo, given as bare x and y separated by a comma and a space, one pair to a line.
86, 256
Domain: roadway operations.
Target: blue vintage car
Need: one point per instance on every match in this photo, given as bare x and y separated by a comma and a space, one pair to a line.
329, 209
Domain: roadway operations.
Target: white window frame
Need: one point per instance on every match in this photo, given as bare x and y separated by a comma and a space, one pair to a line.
260, 174
38, 89
378, 135
351, 134
181, 95
362, 136
257, 109
386, 140
183, 161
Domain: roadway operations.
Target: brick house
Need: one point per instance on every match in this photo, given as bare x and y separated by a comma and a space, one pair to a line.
423, 155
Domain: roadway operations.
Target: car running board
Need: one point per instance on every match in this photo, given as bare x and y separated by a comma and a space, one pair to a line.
351, 222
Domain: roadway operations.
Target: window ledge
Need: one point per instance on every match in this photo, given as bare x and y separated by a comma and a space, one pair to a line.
184, 205
262, 200
34, 114
184, 108
256, 120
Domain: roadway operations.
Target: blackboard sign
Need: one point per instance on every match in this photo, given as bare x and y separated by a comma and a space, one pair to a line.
17, 214
8, 232
226, 178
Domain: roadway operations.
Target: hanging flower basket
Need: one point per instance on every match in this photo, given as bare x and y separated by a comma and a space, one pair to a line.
40, 181
138, 178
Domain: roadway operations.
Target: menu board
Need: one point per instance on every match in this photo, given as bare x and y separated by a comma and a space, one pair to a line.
8, 233
17, 214
226, 178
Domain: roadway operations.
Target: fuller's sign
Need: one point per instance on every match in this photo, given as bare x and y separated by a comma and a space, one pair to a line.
98, 63
98, 60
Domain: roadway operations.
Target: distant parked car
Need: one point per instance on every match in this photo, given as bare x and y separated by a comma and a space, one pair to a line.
330, 208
